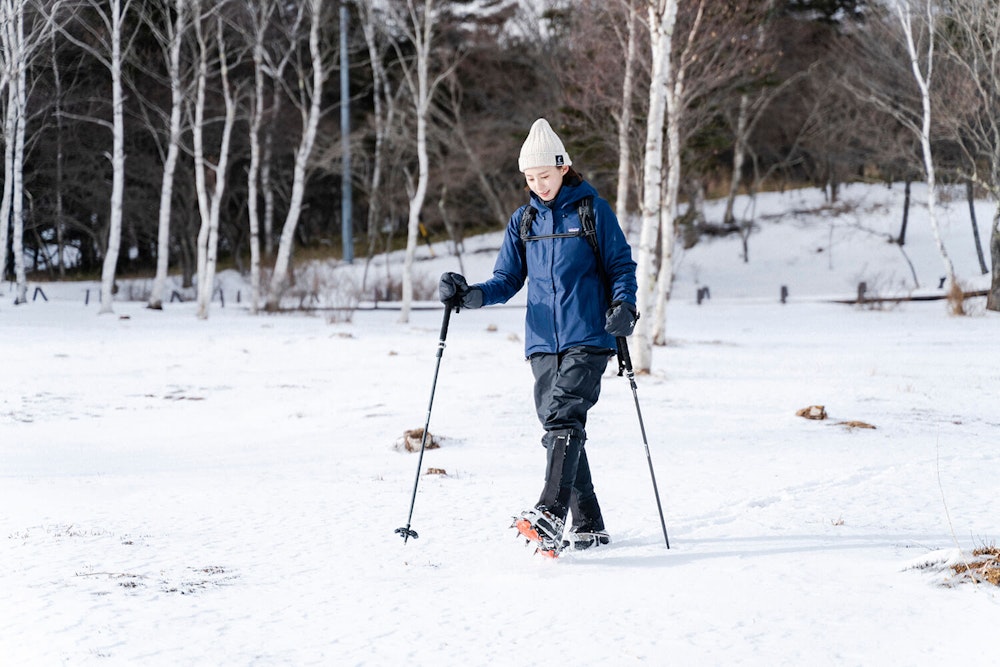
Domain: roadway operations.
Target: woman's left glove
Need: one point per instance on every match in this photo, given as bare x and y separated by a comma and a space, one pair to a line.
620, 319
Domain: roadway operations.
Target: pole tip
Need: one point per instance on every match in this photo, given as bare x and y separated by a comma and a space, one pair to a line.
406, 533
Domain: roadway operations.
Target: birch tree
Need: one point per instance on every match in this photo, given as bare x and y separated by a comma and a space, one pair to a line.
922, 73
421, 33
625, 117
383, 117
209, 203
418, 25
662, 17
106, 43
675, 102
24, 29
271, 54
14, 80
261, 14
310, 110
170, 36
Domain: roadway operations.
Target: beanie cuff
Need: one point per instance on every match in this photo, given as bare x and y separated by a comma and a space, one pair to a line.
543, 160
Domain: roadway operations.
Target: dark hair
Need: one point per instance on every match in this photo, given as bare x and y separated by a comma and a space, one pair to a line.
572, 177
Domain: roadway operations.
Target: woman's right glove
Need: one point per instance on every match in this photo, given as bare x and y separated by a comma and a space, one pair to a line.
454, 290
620, 319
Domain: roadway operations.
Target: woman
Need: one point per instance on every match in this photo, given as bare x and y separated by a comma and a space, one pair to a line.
580, 298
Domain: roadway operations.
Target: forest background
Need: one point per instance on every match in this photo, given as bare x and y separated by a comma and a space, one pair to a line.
177, 135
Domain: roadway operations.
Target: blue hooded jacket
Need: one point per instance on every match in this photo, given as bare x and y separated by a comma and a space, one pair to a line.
566, 300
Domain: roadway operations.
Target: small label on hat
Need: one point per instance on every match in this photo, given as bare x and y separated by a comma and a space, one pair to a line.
559, 160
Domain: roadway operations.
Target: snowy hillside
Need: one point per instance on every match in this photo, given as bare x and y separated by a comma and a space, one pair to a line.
226, 492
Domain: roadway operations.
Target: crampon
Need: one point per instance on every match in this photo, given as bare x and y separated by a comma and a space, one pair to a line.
541, 529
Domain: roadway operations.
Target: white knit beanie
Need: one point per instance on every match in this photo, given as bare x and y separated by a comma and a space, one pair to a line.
542, 148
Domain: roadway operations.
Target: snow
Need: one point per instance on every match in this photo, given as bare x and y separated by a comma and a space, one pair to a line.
225, 492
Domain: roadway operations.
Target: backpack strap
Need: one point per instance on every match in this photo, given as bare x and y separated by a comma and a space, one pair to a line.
527, 219
589, 226
586, 211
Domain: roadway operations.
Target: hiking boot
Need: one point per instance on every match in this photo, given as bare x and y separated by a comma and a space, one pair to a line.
580, 539
541, 527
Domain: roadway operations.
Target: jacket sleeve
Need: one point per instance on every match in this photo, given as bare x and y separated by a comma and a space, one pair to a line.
511, 269
615, 253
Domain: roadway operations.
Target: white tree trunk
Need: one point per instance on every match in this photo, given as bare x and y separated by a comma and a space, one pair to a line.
210, 205
262, 17
60, 162
382, 117
665, 277
421, 91
993, 297
276, 70
923, 82
15, 54
675, 110
117, 161
625, 123
662, 17
739, 157
10, 59
170, 164
265, 175
8, 179
309, 125
198, 141
19, 83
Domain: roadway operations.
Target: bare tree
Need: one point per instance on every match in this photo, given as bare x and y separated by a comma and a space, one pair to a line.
106, 42
662, 16
383, 117
677, 99
417, 22
24, 28
210, 203
625, 116
922, 72
749, 111
13, 78
261, 14
310, 109
275, 31
972, 48
170, 37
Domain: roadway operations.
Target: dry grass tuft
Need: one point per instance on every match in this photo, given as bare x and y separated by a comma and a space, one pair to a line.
852, 424
956, 299
411, 439
984, 566
812, 412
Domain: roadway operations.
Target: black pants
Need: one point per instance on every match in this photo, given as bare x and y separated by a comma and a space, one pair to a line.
567, 385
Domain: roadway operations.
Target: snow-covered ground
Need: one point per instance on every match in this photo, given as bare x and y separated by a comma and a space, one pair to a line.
225, 492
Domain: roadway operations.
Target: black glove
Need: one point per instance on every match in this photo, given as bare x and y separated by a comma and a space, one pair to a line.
620, 319
454, 290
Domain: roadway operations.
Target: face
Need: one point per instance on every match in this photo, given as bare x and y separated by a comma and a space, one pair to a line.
545, 181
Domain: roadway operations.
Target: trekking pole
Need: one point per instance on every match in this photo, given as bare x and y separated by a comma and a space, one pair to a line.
626, 362
405, 531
